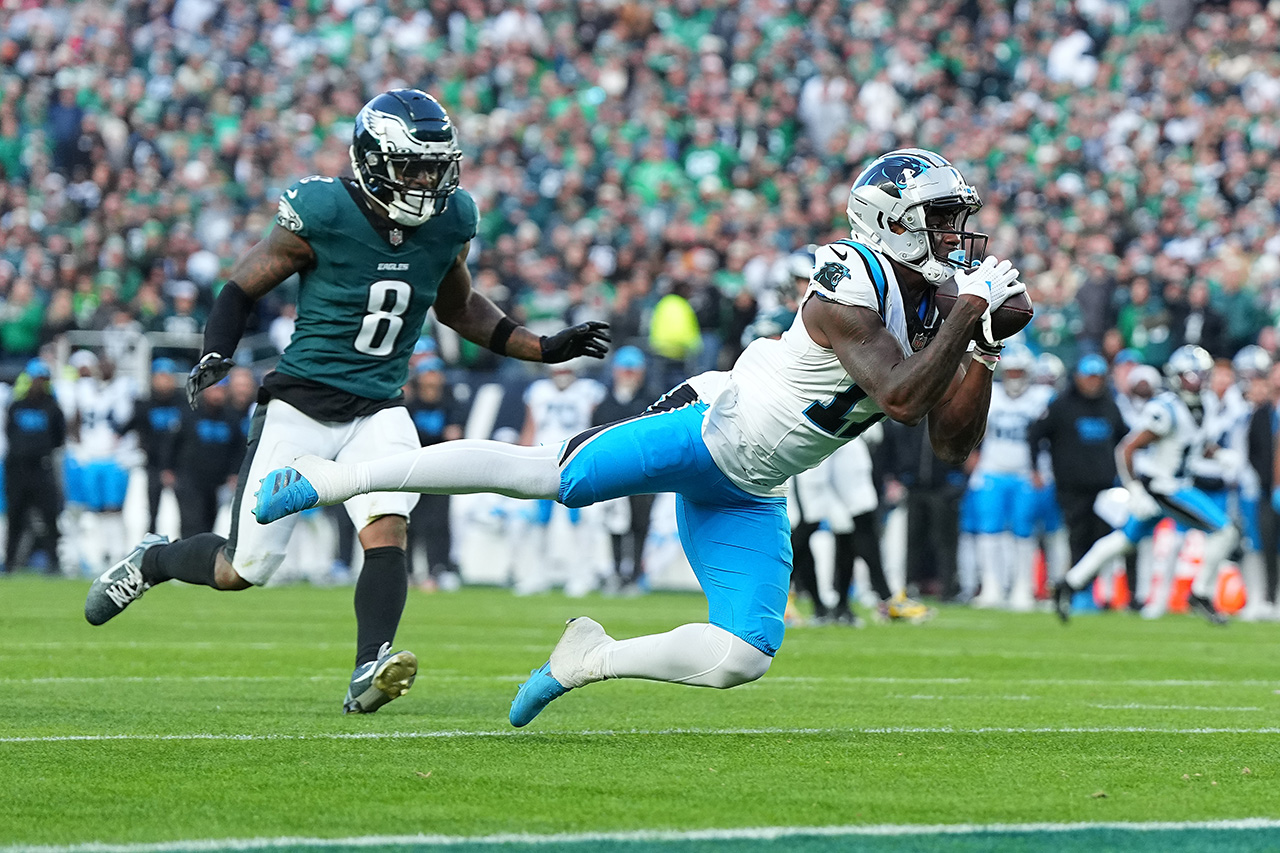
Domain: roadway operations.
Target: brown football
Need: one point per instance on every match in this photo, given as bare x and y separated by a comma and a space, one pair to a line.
1006, 321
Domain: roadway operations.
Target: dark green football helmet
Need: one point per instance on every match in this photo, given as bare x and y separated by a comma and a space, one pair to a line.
405, 155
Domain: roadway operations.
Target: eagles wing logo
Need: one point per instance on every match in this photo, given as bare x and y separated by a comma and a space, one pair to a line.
830, 275
287, 217
393, 135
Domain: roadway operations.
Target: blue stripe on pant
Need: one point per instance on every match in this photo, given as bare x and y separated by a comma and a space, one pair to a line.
1188, 507
738, 544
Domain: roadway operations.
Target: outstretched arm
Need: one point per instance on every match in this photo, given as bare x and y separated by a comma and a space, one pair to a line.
474, 316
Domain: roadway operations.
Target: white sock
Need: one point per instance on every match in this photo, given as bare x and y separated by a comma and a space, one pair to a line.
1216, 547
461, 467
967, 565
1254, 574
1146, 557
1164, 571
1114, 544
1057, 556
699, 654
990, 558
1022, 568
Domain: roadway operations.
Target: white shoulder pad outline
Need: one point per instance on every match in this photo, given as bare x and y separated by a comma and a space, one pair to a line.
850, 273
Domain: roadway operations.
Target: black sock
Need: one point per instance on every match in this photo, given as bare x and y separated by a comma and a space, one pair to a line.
188, 560
380, 594
843, 578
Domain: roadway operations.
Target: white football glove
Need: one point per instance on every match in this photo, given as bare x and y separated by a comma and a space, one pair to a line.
994, 282
1141, 505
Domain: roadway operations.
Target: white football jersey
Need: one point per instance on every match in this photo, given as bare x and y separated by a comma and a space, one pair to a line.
1164, 462
1004, 447
788, 403
1226, 426
102, 408
559, 415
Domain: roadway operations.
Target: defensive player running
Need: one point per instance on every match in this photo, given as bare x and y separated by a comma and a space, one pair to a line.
1170, 432
868, 342
374, 253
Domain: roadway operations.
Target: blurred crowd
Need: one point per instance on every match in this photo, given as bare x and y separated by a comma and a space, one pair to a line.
624, 151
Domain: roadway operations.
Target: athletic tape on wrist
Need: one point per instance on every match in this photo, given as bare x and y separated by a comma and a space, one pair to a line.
988, 360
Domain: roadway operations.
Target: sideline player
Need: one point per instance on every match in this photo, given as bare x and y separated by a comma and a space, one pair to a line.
374, 253
1159, 483
868, 342
1005, 498
558, 407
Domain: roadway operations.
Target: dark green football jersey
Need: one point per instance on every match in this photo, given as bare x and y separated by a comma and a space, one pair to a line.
361, 307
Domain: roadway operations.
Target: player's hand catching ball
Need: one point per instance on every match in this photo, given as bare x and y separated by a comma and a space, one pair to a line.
210, 370
590, 339
994, 282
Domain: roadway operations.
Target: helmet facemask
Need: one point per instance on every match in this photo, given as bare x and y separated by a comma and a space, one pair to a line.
411, 189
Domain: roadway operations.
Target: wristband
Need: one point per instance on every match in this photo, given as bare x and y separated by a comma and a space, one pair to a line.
502, 334
986, 359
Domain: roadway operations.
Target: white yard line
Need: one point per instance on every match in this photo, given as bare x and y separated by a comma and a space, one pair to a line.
502, 733
1047, 682
1137, 706
764, 833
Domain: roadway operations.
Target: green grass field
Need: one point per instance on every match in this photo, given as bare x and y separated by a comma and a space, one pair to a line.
200, 716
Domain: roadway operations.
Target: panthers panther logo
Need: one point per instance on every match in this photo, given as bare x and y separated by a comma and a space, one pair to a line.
831, 275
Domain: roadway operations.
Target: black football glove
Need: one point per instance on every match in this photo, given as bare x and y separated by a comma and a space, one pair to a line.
210, 370
591, 339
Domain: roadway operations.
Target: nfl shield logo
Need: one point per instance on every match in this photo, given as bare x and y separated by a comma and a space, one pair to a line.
397, 236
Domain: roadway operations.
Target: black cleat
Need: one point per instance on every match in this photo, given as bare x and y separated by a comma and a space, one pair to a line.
1062, 593
846, 617
121, 585
1205, 608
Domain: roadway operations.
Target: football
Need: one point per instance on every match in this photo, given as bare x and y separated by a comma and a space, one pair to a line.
1006, 321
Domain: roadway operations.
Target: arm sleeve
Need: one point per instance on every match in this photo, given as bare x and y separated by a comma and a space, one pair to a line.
227, 320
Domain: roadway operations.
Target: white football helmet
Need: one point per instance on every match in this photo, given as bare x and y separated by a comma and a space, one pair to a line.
1050, 370
1185, 372
1251, 362
923, 196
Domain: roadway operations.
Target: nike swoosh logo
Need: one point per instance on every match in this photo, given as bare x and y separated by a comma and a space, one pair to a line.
839, 254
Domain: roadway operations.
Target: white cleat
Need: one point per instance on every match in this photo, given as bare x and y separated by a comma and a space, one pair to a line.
575, 660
